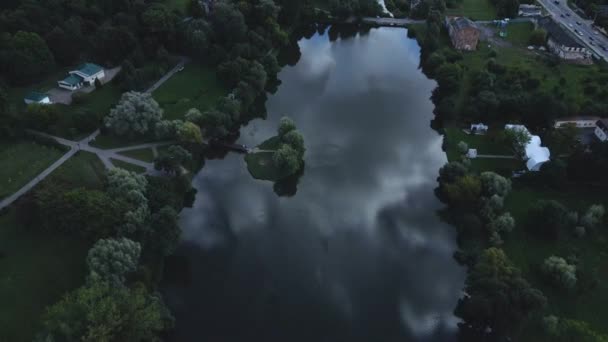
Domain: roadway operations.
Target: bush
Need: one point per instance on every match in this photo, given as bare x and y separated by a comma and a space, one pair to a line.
559, 272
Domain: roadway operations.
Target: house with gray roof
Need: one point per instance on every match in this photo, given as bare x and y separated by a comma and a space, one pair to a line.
85, 75
464, 33
562, 43
37, 97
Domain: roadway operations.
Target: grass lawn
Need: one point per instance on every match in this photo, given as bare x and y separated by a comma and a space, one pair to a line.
144, 154
195, 87
261, 164
485, 144
519, 33
529, 252
128, 166
474, 9
20, 162
36, 269
84, 169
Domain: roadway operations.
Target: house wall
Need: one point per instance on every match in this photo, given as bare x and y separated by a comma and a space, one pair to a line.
565, 52
90, 79
600, 134
46, 100
577, 123
68, 87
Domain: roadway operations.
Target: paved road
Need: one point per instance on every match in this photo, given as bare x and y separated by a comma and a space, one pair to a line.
29, 186
570, 22
398, 22
168, 75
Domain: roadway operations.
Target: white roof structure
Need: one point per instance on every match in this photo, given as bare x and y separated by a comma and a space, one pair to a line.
535, 153
479, 127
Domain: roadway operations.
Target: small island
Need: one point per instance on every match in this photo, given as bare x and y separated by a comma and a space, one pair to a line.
280, 156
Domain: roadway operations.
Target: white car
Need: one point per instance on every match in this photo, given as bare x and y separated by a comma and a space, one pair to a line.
580, 33
570, 25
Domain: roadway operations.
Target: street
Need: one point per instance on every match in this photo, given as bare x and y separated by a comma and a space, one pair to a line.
594, 42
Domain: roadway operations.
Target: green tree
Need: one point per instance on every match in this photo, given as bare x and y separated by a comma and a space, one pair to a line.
286, 125
538, 37
464, 192
497, 298
296, 141
26, 58
547, 219
110, 260
172, 161
131, 188
560, 272
165, 232
99, 312
494, 184
594, 217
136, 114
287, 160
189, 133
518, 139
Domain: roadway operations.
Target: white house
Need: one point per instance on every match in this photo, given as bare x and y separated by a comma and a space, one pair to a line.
479, 128
578, 122
85, 75
36, 97
536, 154
601, 130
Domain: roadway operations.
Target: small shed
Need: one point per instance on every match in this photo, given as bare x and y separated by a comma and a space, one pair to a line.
479, 128
36, 97
472, 153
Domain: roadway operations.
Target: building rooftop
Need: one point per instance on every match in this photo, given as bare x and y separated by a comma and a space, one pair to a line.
577, 118
89, 69
72, 80
35, 96
460, 23
558, 33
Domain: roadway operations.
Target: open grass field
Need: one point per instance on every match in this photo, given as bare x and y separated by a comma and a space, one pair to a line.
196, 86
128, 166
474, 9
519, 33
36, 269
528, 252
21, 161
144, 154
84, 169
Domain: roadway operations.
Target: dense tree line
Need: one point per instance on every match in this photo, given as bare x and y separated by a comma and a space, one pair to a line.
37, 35
133, 224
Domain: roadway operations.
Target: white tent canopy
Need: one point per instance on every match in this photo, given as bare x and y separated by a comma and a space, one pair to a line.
535, 153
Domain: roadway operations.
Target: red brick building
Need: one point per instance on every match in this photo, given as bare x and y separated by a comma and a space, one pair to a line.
463, 32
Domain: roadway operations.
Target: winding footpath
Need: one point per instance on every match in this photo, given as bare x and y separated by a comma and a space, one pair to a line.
105, 156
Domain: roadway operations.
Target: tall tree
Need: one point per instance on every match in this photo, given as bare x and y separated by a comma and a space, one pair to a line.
136, 114
110, 260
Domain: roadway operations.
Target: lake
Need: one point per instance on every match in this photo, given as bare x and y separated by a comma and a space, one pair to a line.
358, 253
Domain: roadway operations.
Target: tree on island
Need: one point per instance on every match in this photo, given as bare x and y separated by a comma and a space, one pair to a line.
287, 160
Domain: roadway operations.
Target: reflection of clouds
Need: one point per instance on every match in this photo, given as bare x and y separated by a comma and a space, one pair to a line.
316, 60
361, 237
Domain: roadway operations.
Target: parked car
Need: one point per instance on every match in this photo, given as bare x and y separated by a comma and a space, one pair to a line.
578, 23
556, 2
590, 38
591, 43
562, 15
580, 33
567, 14
570, 25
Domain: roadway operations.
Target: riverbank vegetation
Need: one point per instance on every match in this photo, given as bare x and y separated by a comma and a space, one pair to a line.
543, 240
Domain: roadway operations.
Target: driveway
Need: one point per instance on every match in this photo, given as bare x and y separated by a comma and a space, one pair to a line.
59, 95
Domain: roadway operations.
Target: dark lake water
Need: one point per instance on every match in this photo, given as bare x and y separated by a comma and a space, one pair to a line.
358, 253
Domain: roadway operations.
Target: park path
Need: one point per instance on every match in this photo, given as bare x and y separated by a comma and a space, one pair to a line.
5, 202
104, 155
495, 156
